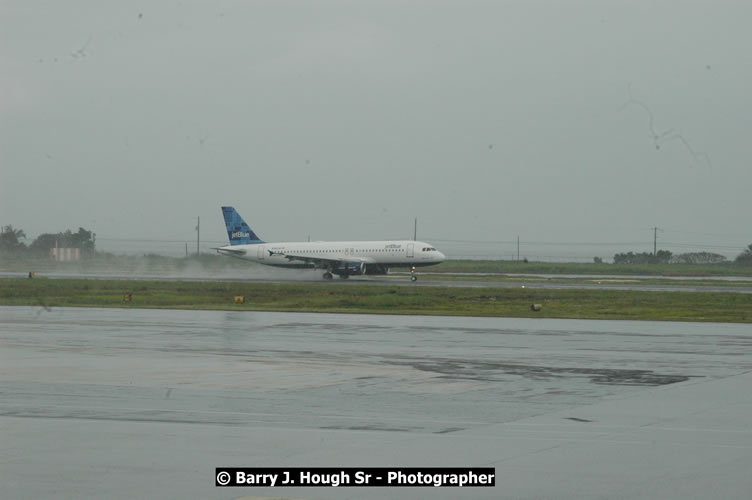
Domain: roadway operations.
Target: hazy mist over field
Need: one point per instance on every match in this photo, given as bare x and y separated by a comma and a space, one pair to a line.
577, 126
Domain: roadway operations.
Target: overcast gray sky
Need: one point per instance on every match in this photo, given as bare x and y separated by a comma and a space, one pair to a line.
345, 120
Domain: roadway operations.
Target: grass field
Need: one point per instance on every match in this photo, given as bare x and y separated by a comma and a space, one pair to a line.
380, 299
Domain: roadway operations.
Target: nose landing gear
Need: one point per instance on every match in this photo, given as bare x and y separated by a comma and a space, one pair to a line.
413, 277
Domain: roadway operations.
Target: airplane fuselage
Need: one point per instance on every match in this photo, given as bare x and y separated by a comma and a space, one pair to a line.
390, 253
343, 258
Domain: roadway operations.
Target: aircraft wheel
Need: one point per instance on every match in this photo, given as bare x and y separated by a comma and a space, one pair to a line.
327, 276
413, 278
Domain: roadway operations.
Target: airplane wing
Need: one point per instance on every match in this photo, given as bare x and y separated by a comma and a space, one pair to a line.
321, 261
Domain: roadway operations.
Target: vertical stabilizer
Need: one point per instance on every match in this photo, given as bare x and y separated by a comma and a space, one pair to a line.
238, 231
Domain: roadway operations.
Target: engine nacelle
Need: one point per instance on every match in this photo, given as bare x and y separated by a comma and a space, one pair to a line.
350, 268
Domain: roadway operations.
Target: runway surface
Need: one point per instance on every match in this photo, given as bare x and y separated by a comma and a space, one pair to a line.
98, 403
735, 285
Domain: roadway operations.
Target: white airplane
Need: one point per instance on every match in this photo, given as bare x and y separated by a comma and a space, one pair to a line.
343, 258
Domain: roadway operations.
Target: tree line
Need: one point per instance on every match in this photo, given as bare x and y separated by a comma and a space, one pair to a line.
11, 241
666, 257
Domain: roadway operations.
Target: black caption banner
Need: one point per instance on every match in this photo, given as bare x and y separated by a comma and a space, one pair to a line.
274, 477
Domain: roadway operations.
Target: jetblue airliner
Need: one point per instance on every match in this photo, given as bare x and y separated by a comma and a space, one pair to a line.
343, 258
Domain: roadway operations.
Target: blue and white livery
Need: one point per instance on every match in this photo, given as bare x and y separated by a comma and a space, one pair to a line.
343, 258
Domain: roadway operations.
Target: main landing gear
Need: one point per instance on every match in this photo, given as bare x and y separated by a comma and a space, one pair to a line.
413, 277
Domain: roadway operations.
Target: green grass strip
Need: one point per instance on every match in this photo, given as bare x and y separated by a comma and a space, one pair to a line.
381, 299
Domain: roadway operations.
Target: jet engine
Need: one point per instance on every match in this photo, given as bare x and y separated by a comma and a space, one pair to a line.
348, 268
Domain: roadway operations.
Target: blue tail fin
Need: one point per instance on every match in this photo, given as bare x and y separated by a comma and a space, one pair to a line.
237, 230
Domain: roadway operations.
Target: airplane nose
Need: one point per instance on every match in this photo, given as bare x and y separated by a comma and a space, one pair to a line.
441, 257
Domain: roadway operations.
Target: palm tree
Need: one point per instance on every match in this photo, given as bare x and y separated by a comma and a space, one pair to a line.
9, 239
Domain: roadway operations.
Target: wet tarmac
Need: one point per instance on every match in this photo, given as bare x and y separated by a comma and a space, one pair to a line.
98, 403
732, 284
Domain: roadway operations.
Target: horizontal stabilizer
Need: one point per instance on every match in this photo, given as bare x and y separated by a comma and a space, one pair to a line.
230, 251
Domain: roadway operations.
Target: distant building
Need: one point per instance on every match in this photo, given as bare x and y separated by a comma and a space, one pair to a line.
65, 254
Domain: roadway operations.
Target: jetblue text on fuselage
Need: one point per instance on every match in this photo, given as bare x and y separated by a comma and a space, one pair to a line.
241, 235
